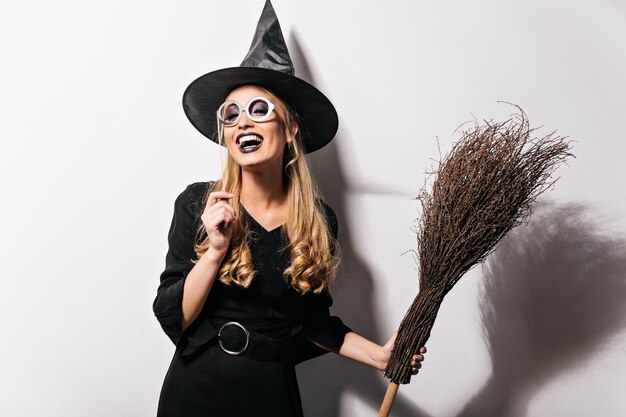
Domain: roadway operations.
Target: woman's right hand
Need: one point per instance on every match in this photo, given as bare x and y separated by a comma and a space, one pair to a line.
218, 219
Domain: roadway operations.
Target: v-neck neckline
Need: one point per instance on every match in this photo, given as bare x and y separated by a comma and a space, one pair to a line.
259, 225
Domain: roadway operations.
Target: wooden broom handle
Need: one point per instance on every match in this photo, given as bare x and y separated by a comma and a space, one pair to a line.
385, 408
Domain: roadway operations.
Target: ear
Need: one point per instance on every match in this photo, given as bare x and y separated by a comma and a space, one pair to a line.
293, 134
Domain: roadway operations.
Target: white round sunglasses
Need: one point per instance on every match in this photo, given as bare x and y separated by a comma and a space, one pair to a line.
258, 109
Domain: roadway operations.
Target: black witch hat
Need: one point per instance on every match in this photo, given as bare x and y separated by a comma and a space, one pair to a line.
268, 65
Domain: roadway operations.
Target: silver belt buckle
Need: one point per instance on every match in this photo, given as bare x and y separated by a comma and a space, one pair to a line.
219, 338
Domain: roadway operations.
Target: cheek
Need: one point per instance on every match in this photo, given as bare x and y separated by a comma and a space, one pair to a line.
229, 137
280, 136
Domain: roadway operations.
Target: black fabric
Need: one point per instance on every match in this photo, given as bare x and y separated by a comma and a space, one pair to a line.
268, 48
202, 379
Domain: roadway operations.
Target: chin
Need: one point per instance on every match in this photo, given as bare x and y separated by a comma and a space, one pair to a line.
253, 161
250, 159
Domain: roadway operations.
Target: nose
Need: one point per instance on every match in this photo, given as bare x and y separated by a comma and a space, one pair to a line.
244, 121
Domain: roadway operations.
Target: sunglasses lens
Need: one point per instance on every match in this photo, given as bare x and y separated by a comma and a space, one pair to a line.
229, 113
258, 109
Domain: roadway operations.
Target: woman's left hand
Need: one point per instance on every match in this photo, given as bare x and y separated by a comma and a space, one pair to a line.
381, 357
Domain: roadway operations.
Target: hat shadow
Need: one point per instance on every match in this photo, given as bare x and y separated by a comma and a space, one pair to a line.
553, 294
324, 380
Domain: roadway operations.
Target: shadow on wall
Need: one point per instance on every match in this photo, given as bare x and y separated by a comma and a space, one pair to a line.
324, 380
553, 293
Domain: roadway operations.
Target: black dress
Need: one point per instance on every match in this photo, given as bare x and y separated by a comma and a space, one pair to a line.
204, 380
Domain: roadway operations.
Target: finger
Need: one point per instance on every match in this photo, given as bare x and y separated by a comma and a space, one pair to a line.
216, 205
418, 358
423, 349
416, 363
215, 196
218, 209
219, 218
220, 205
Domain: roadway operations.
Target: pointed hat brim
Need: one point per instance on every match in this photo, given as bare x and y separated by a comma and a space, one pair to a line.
318, 117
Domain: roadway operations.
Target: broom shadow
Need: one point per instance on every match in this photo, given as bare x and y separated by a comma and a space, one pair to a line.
324, 380
553, 294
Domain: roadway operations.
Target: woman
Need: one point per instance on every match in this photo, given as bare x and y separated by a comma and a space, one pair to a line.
244, 295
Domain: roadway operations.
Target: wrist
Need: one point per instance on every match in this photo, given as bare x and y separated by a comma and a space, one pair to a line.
214, 256
376, 357
358, 348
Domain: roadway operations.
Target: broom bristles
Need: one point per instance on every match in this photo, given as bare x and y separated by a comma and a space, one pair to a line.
484, 187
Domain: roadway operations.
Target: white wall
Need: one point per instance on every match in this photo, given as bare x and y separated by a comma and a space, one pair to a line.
95, 147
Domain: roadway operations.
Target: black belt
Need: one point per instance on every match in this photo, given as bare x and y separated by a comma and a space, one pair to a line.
235, 339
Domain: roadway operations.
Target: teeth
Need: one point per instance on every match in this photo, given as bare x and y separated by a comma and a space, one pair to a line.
244, 140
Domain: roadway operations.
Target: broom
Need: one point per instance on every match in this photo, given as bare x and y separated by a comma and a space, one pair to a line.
483, 188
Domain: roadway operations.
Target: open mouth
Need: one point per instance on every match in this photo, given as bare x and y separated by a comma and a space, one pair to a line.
249, 143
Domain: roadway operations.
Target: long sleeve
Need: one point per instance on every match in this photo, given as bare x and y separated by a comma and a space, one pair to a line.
318, 324
167, 305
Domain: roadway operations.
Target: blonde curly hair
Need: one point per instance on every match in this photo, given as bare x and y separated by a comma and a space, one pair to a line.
311, 244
